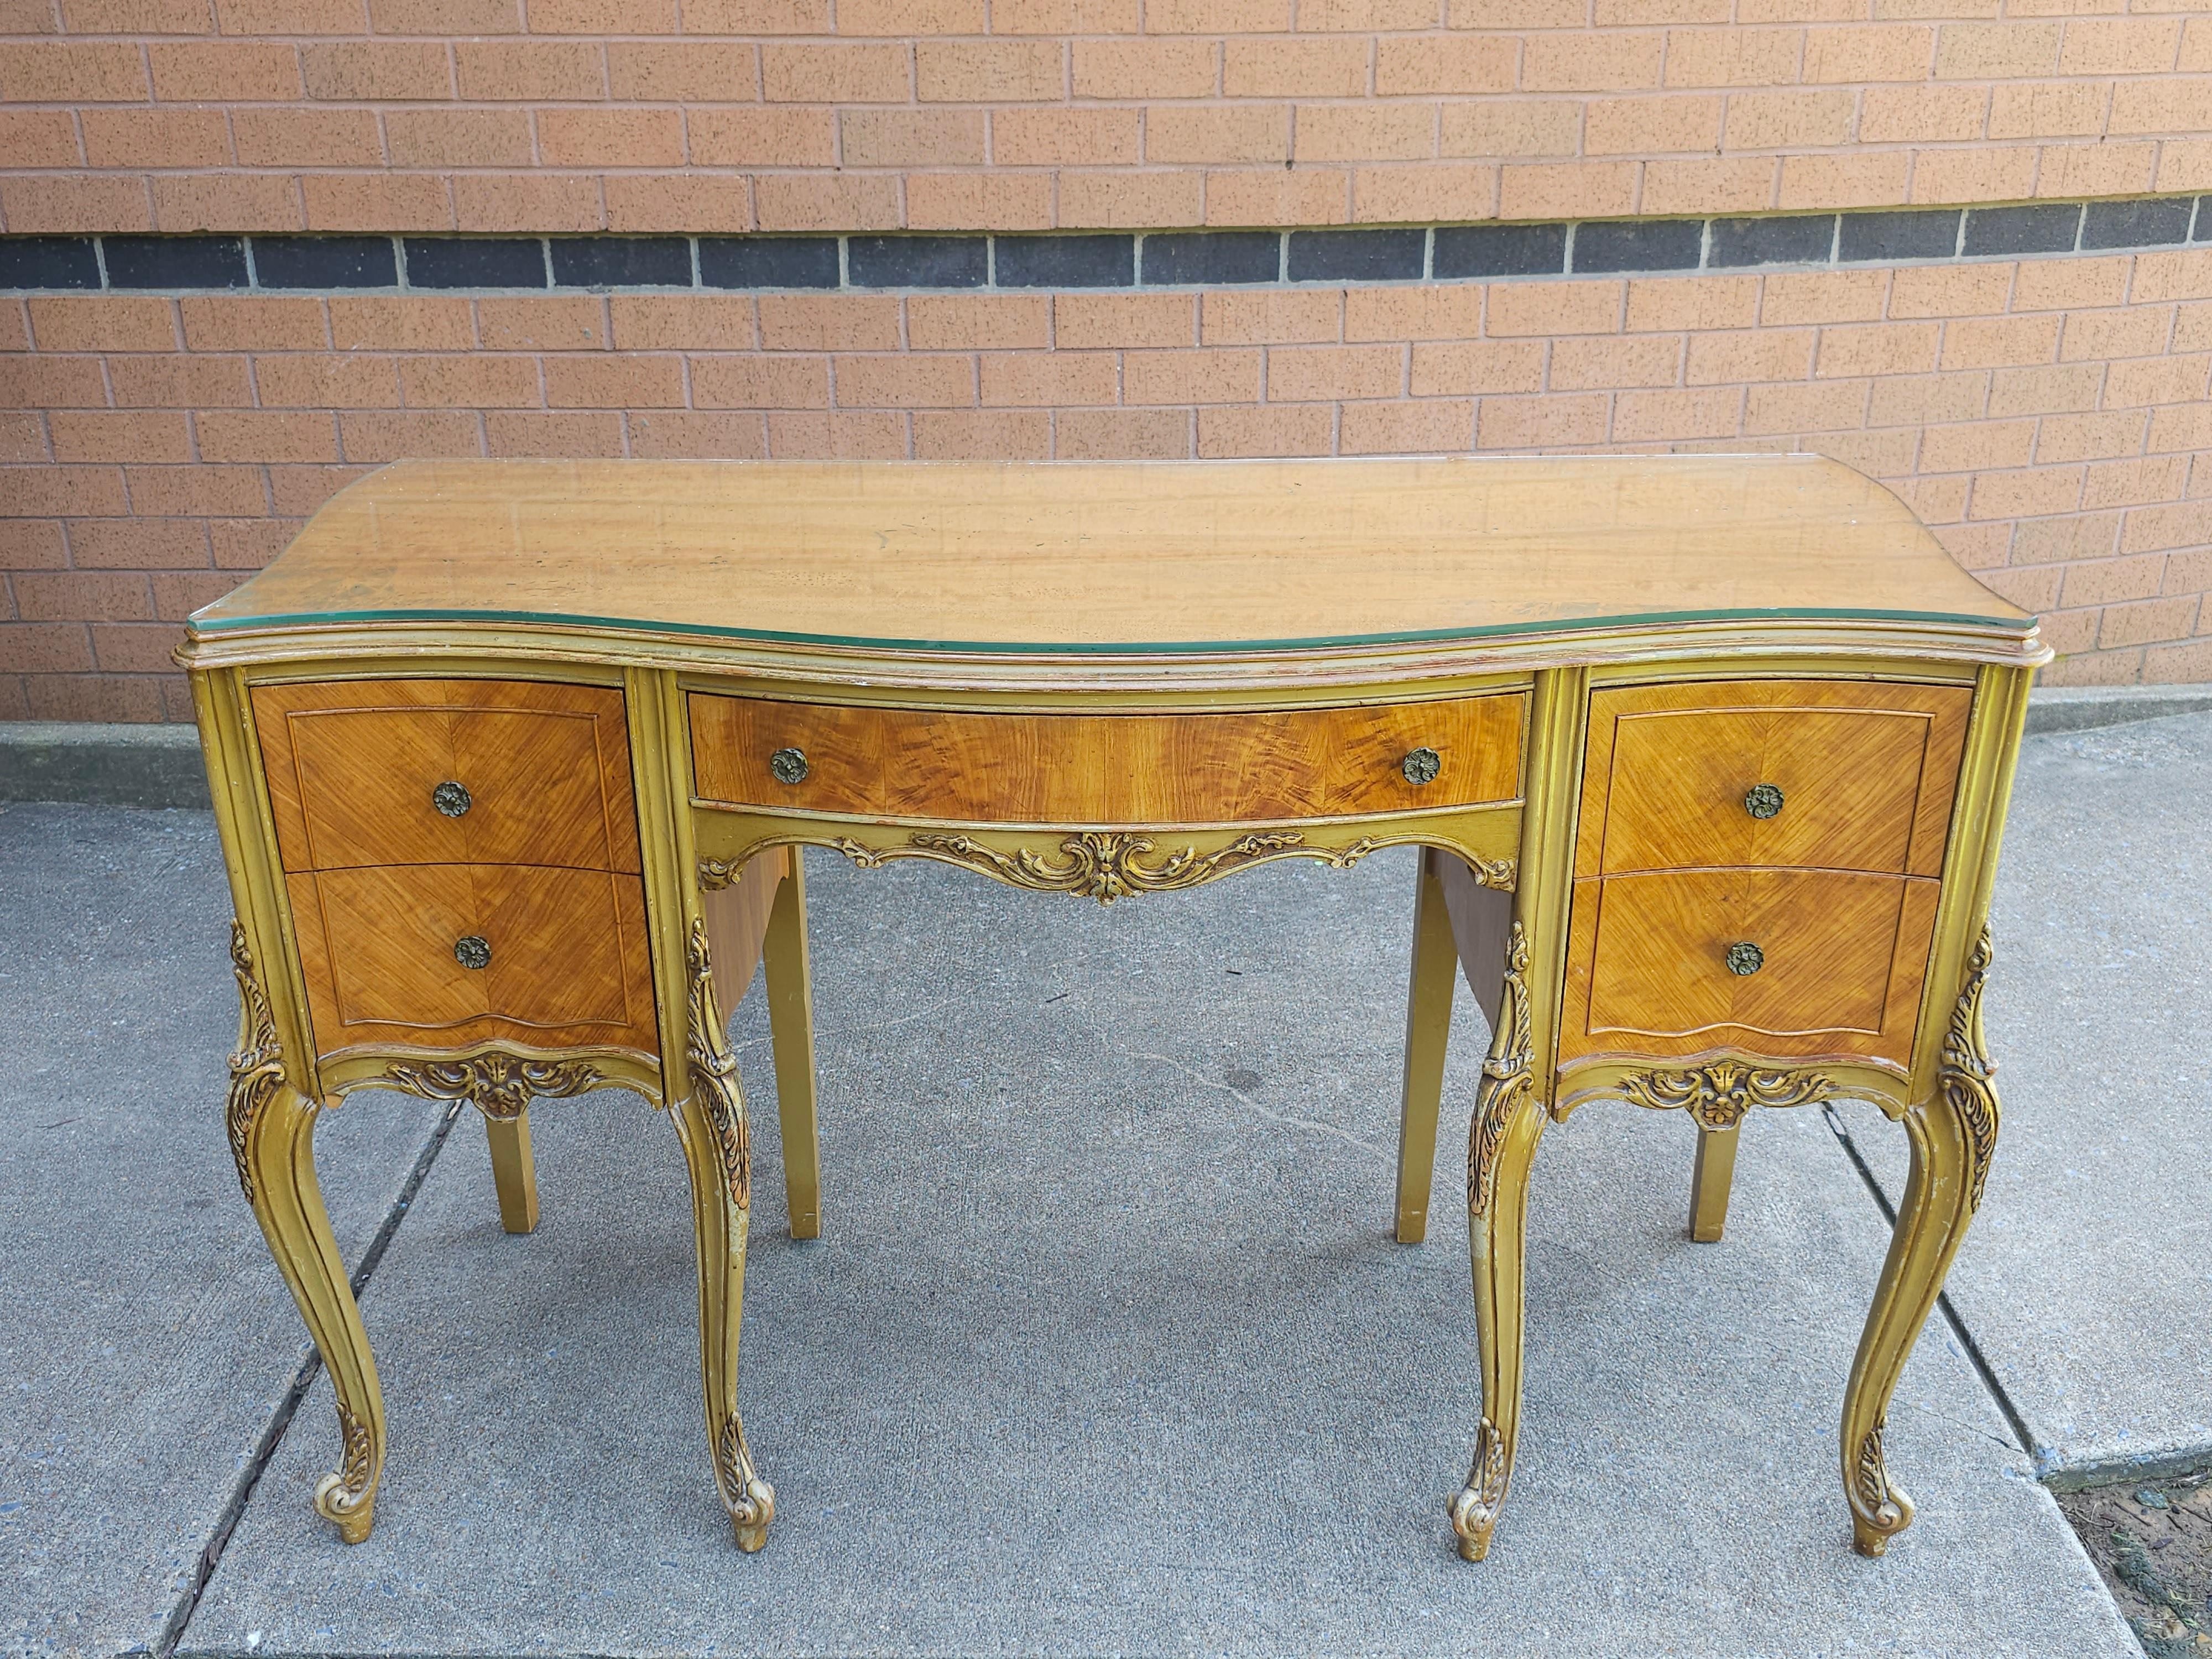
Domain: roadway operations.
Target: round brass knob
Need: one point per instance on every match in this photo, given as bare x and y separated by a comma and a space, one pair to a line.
1421, 766
1764, 801
472, 951
789, 765
451, 799
1745, 958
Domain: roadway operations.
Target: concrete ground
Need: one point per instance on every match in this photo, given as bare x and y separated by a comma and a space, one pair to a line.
1106, 1347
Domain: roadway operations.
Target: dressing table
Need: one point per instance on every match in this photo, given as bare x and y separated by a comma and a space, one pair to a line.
1707, 757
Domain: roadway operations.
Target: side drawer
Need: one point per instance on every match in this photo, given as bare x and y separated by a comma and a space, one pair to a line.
567, 960
1017, 768
1848, 775
1834, 963
357, 772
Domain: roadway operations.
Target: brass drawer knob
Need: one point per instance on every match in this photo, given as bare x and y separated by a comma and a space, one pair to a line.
1764, 801
451, 799
789, 765
1745, 958
1421, 766
472, 951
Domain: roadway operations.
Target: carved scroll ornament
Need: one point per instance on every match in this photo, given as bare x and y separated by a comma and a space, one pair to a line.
1719, 1095
1964, 1072
257, 1070
714, 1071
1508, 1076
346, 1497
1474, 1508
750, 1499
1883, 1510
1108, 864
499, 1084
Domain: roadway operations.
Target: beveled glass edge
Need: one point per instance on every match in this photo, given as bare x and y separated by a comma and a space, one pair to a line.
199, 628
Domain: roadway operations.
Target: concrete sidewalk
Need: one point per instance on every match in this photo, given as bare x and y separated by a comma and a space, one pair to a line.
1106, 1346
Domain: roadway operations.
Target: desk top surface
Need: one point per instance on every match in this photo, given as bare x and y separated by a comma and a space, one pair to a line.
1114, 558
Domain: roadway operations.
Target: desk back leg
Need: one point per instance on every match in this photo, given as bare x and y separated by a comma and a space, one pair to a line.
1428, 1032
513, 1171
791, 1030
1709, 1182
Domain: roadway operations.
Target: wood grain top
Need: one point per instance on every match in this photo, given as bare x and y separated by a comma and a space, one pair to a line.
1107, 558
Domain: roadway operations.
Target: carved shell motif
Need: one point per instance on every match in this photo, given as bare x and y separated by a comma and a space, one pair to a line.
499, 1084
1718, 1096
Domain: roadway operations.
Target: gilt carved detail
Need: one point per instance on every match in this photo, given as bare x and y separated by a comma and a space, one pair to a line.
499, 1084
257, 1069
1881, 1511
714, 1071
1965, 1071
346, 1497
1508, 1076
1108, 864
750, 1499
1474, 1508
1718, 1095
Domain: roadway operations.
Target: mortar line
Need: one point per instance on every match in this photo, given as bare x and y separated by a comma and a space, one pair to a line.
272, 1435
1971, 1348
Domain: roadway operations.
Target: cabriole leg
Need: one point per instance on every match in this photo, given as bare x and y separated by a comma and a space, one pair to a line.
1428, 1030
791, 1031
1709, 1181
513, 1171
1954, 1137
717, 1147
272, 1130
1502, 1139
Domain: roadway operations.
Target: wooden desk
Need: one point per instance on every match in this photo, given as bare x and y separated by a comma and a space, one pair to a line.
1708, 758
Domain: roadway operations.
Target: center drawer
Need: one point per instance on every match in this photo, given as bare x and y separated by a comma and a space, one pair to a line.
1138, 769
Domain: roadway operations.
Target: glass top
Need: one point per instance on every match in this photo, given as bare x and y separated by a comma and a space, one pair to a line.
1150, 558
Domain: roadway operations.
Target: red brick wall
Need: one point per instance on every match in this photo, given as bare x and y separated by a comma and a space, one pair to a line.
2047, 415
723, 115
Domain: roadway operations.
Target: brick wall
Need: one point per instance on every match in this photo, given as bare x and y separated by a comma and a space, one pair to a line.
167, 420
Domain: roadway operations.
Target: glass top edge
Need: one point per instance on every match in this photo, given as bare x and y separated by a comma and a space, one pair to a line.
207, 627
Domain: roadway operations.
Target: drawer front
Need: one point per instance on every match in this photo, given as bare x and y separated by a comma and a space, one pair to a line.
1835, 963
1106, 769
357, 767
565, 961
1813, 774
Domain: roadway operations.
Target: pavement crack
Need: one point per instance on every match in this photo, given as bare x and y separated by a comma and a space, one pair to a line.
280, 1420
1258, 1110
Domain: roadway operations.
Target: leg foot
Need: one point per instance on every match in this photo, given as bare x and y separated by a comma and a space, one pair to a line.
750, 1499
1878, 1511
1474, 1510
348, 1497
